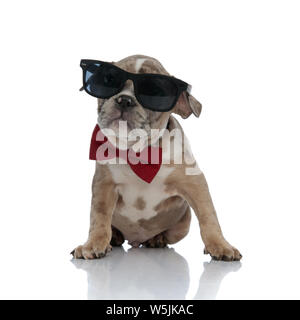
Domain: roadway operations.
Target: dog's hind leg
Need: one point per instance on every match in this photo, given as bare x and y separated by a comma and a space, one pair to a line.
180, 229
173, 234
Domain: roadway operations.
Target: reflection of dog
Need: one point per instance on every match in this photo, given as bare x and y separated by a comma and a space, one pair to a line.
135, 274
155, 214
158, 274
212, 276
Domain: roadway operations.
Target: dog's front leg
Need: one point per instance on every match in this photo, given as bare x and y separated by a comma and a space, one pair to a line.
103, 203
196, 192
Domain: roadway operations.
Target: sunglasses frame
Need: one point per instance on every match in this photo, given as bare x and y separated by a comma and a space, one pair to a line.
134, 77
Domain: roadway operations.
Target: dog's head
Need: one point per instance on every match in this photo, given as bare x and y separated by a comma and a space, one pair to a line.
125, 107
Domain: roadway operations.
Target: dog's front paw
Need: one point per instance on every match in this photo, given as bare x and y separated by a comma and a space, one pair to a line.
92, 250
222, 250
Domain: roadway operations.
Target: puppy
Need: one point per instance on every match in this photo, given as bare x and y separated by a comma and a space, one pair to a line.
124, 206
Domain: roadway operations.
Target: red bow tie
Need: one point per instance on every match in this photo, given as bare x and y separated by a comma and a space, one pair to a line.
140, 164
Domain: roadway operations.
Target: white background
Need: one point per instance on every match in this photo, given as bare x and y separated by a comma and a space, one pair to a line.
242, 58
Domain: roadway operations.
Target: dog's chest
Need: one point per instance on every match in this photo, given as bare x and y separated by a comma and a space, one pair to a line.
137, 198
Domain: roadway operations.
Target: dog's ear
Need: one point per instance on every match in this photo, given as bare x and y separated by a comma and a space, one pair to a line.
186, 105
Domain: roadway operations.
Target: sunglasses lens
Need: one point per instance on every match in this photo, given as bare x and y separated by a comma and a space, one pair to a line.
102, 80
157, 93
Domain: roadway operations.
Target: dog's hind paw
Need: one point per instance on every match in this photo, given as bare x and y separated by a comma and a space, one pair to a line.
159, 241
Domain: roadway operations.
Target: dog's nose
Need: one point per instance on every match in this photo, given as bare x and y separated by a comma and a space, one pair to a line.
125, 101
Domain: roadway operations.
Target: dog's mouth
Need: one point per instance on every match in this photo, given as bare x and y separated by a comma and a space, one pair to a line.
124, 117
113, 117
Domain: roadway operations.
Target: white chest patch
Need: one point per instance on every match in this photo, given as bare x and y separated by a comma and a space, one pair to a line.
131, 188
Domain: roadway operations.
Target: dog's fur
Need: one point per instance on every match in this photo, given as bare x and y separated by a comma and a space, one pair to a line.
124, 207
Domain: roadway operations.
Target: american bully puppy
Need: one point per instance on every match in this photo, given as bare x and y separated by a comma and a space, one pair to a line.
148, 205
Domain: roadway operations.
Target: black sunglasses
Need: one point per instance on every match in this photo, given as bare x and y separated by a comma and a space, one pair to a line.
153, 91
